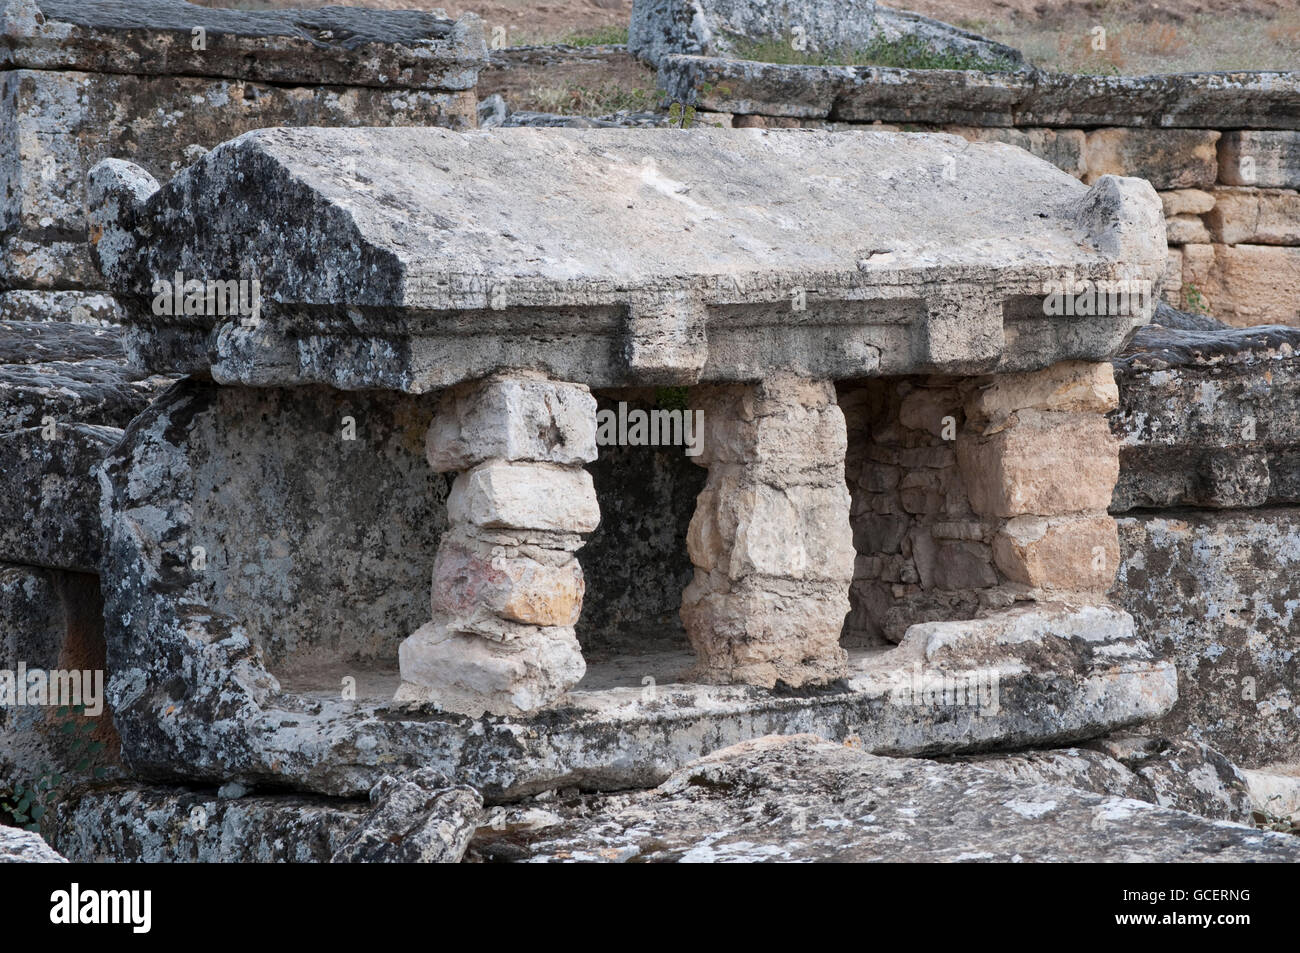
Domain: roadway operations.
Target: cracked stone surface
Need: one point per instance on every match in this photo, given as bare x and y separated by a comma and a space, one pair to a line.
801, 799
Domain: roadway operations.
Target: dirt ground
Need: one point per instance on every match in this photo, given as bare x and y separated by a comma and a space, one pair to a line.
1141, 36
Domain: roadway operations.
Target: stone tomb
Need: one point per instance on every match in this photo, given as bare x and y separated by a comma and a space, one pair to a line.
466, 299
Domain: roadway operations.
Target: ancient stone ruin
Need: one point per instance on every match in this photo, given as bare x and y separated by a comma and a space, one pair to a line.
396, 474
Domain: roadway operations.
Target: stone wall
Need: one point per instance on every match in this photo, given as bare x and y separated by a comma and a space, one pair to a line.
84, 81
972, 494
1223, 150
1208, 507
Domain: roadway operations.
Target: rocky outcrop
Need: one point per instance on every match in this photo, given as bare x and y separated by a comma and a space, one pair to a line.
805, 799
727, 27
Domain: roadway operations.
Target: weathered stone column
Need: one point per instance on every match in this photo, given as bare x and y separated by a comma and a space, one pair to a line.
1038, 458
770, 538
507, 587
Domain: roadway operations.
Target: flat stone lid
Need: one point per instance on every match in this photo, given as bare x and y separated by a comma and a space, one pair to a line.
342, 45
411, 258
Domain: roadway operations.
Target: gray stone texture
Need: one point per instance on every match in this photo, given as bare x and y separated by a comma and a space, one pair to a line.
58, 124
1216, 592
1208, 419
24, 847
1242, 100
127, 822
722, 27
417, 819
401, 49
806, 799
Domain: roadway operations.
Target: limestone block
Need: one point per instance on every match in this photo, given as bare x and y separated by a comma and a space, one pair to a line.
1186, 202
513, 419
1186, 230
1208, 419
1171, 283
1064, 148
468, 577
784, 431
802, 798
1048, 463
528, 496
1255, 216
130, 822
1069, 386
716, 28
1072, 554
1245, 285
1168, 158
798, 532
761, 632
403, 49
875, 301
1265, 158
471, 675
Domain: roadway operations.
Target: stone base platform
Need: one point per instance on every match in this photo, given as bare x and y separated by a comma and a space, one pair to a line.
1041, 676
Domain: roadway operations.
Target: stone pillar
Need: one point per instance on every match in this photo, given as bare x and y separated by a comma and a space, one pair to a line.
770, 538
507, 587
1038, 458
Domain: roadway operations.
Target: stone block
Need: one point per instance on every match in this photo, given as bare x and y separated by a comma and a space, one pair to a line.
1245, 285
1074, 386
1069, 554
470, 675
803, 798
1186, 230
1254, 216
468, 577
513, 419
1217, 594
765, 632
1186, 202
1167, 158
1047, 464
1064, 148
527, 496
873, 305
1208, 419
799, 532
1264, 158
419, 818
403, 49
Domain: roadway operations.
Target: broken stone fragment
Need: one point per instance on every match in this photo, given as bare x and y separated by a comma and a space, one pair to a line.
419, 818
25, 847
